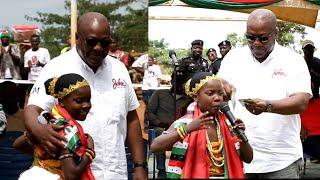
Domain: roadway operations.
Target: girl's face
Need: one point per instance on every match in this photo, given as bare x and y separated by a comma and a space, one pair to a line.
77, 103
210, 96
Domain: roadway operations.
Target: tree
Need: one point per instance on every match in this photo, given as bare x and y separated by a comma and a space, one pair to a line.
286, 37
128, 24
159, 50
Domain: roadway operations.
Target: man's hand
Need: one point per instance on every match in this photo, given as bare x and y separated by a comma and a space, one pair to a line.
303, 134
228, 89
50, 139
140, 174
29, 63
257, 106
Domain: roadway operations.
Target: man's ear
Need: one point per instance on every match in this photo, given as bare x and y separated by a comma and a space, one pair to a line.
277, 31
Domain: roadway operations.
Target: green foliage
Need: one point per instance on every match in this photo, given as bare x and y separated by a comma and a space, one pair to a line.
286, 36
159, 50
287, 31
131, 26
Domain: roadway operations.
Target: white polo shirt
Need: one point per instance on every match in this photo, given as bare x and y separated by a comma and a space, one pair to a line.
112, 96
274, 138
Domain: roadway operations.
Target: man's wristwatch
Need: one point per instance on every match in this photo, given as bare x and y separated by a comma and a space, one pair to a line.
143, 164
268, 106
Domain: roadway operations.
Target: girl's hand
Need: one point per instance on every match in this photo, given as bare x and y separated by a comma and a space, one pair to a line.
202, 122
90, 141
239, 124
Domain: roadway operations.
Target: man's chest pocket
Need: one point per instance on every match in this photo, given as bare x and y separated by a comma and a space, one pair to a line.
113, 104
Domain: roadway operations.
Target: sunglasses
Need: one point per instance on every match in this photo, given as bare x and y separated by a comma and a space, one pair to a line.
262, 39
92, 42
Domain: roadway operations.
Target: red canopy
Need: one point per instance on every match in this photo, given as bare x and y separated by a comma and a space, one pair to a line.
22, 33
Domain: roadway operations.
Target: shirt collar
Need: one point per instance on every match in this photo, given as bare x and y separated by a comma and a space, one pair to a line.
271, 55
84, 65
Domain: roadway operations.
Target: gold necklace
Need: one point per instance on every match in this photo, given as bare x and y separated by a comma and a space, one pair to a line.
212, 152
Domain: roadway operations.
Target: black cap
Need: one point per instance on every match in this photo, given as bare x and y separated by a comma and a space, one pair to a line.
211, 50
197, 42
225, 43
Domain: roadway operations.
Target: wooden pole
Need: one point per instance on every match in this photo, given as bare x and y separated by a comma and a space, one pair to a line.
73, 22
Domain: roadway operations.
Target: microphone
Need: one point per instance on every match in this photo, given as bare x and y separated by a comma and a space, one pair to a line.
224, 107
173, 57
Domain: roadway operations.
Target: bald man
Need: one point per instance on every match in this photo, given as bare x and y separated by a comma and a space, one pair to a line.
277, 80
112, 119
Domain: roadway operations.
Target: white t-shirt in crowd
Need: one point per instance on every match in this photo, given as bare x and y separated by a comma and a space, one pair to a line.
41, 55
141, 61
151, 77
112, 97
275, 138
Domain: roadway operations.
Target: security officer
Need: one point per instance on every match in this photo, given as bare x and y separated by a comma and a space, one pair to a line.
224, 47
188, 66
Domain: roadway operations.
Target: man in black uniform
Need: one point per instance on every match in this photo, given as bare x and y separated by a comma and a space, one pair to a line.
224, 47
188, 66
313, 65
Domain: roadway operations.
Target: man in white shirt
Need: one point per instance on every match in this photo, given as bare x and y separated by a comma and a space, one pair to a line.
277, 81
35, 58
112, 120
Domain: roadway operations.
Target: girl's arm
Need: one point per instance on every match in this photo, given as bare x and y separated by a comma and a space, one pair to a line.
246, 152
165, 141
24, 143
71, 170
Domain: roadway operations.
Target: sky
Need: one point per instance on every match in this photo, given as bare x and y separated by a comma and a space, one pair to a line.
210, 28
14, 11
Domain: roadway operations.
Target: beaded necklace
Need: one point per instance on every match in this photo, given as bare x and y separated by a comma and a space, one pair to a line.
215, 160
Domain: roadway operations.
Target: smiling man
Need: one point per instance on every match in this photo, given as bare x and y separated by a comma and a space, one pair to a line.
112, 120
278, 82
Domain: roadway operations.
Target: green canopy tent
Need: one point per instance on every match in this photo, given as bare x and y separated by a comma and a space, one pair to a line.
298, 11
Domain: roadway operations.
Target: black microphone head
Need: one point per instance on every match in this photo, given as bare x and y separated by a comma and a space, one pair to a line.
224, 107
171, 53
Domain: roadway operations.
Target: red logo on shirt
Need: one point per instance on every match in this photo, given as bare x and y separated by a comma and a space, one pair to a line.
278, 73
118, 84
34, 59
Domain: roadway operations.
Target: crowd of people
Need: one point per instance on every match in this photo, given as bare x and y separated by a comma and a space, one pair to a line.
93, 98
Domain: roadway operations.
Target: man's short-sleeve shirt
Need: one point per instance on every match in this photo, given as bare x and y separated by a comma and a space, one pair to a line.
274, 137
112, 97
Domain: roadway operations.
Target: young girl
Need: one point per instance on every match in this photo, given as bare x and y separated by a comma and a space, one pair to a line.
73, 94
202, 143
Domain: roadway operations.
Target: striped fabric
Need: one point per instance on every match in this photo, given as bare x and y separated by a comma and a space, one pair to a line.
3, 120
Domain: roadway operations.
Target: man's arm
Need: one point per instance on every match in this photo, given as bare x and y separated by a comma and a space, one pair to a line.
135, 143
294, 104
46, 134
15, 54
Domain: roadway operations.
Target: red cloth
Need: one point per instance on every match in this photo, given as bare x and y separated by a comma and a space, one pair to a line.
195, 165
121, 55
310, 119
87, 174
